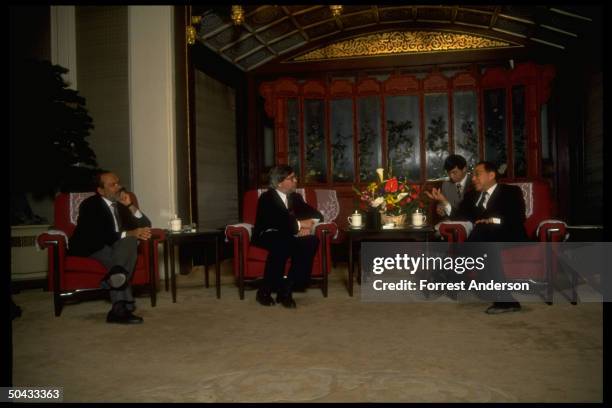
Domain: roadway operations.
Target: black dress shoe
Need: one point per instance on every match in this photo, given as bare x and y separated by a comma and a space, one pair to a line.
503, 307
264, 297
286, 300
130, 306
123, 318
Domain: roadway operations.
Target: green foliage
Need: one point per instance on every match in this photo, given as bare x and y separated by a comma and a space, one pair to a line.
367, 136
468, 142
341, 163
437, 145
294, 145
315, 153
400, 146
49, 125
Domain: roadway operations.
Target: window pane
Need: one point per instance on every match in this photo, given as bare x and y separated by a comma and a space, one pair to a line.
495, 128
314, 140
341, 114
370, 149
465, 124
293, 134
436, 120
519, 131
403, 136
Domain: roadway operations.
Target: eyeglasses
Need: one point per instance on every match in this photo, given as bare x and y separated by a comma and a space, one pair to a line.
294, 177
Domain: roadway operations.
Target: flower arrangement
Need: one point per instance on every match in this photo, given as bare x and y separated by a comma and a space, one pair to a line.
391, 196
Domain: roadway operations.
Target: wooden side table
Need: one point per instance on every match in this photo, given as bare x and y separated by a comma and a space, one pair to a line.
203, 237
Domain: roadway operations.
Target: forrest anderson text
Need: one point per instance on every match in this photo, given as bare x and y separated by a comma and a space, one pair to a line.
424, 284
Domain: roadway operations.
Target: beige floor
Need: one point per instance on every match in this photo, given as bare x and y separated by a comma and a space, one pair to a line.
336, 349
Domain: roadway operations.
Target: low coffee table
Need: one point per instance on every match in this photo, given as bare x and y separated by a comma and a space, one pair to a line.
357, 236
201, 237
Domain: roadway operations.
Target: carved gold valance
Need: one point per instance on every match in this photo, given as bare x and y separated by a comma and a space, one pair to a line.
407, 42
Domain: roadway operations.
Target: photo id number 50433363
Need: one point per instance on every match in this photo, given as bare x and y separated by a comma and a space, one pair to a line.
11, 394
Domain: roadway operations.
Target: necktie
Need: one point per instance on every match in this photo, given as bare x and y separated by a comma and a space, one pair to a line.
459, 190
482, 200
289, 206
116, 215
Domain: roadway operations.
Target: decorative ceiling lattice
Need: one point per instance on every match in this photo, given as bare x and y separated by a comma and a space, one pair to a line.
291, 33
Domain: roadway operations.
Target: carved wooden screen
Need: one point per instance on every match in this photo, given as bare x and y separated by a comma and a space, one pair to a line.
338, 133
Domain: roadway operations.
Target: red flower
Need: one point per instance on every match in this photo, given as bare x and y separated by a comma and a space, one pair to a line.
391, 185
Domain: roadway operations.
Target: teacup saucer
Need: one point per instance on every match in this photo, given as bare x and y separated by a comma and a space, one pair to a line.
418, 226
355, 228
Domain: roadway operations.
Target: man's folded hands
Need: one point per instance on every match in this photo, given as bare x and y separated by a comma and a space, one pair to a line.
140, 233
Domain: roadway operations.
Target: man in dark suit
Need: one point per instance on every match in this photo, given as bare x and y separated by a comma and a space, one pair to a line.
283, 226
498, 214
108, 229
497, 210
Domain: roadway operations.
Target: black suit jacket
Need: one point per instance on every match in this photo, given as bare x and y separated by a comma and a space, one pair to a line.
272, 213
96, 227
506, 203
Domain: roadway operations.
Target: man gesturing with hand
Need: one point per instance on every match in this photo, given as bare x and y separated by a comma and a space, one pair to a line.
108, 229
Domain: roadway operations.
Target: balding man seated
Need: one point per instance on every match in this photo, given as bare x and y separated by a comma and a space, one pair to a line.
108, 229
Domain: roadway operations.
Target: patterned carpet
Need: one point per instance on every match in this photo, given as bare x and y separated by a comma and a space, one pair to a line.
335, 349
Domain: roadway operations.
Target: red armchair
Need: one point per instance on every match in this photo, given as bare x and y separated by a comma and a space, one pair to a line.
529, 262
69, 275
249, 261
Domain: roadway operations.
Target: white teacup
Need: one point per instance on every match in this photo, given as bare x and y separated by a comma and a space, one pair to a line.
175, 225
418, 218
355, 220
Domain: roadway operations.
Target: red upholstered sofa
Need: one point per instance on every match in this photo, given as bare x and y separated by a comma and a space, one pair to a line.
527, 262
249, 261
69, 275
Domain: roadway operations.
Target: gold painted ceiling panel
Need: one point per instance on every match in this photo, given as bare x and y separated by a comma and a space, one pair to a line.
408, 42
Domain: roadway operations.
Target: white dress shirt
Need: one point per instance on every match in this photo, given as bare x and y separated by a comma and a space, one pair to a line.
283, 197
490, 191
463, 182
108, 202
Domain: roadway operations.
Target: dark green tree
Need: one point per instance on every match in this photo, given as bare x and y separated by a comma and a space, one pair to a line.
49, 125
